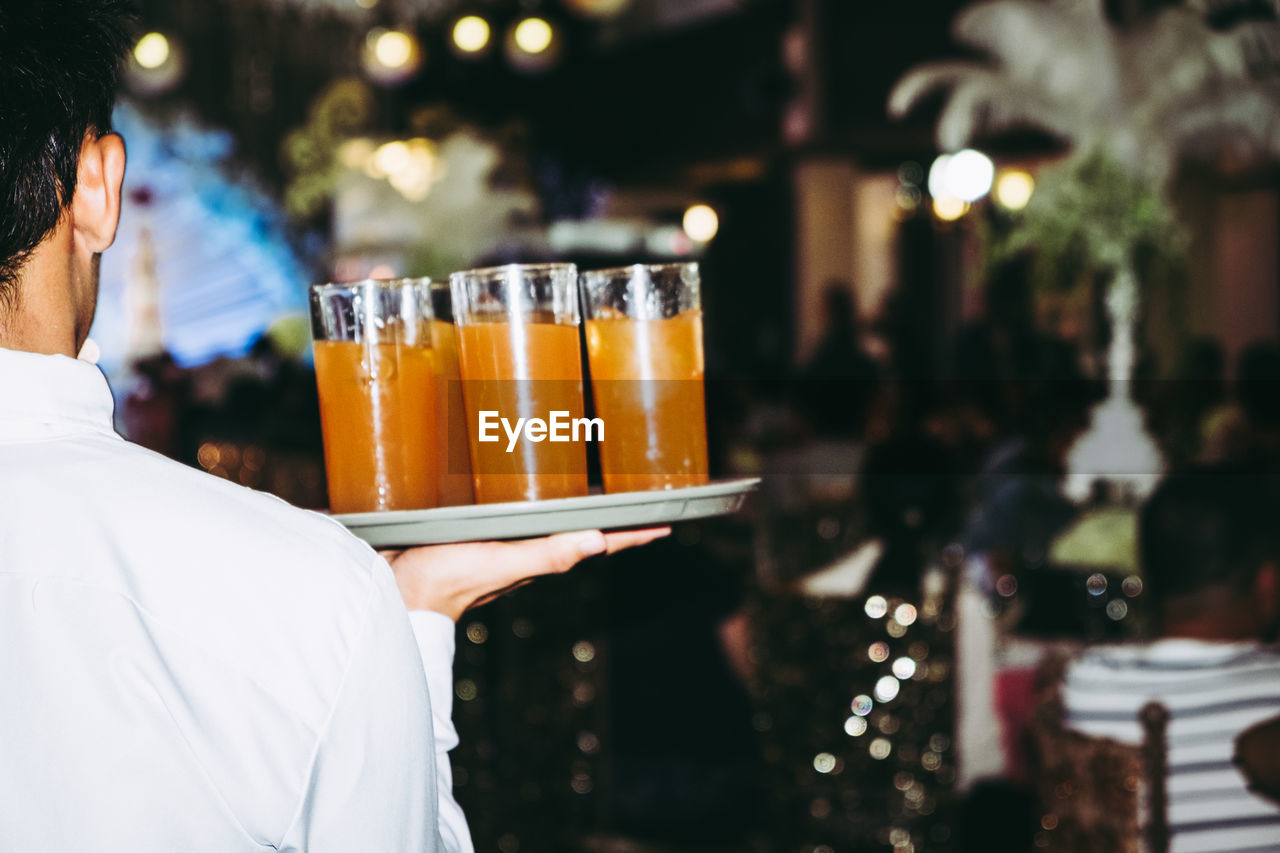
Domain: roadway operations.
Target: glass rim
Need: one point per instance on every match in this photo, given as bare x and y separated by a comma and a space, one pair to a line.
631, 269
506, 269
365, 283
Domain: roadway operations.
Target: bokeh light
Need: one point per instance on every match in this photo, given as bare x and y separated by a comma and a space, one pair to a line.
533, 35
938, 177
390, 157
391, 56
876, 606
855, 726
393, 48
532, 45
969, 174
957, 179
156, 65
887, 688
1014, 188
949, 209
411, 166
471, 34
701, 223
152, 51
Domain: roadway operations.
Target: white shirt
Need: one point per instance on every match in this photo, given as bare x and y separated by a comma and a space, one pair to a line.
189, 665
1213, 692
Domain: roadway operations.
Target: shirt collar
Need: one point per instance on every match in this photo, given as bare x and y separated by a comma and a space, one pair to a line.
42, 396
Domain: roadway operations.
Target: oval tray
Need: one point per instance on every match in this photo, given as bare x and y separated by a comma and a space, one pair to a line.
403, 528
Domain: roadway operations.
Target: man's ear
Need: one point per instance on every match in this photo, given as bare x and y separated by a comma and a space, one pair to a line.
95, 207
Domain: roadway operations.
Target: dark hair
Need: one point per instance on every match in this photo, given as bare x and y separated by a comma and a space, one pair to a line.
1207, 527
59, 67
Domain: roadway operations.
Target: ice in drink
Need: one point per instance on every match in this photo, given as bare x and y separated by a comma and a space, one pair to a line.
647, 383
377, 410
523, 370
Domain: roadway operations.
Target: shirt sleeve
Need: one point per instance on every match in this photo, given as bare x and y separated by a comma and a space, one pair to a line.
434, 633
372, 780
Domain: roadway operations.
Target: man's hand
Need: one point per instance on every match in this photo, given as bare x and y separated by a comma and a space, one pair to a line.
451, 579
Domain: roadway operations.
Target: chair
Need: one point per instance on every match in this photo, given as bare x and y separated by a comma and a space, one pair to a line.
1098, 795
1258, 757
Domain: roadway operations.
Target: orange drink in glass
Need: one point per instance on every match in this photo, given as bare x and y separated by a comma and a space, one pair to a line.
520, 360
453, 450
375, 372
644, 349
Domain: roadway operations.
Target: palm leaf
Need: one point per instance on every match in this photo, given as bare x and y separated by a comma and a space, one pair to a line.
1062, 48
988, 104
1246, 115
920, 82
1251, 50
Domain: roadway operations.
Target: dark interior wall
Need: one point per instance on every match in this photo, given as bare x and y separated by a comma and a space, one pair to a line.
704, 91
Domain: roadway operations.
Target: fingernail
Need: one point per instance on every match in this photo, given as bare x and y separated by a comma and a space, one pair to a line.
590, 544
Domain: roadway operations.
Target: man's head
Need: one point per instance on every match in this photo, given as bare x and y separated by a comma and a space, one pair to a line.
60, 169
1210, 546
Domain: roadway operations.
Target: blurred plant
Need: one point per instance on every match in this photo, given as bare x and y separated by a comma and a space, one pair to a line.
342, 111
1088, 215
1146, 97
1135, 103
447, 192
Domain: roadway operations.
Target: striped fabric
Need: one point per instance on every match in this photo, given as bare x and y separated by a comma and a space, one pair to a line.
1213, 692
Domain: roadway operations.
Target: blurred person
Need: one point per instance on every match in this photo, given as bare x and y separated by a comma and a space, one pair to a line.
188, 664
1210, 554
1258, 393
1018, 506
1017, 510
839, 380
1245, 429
909, 489
1186, 413
994, 356
1258, 756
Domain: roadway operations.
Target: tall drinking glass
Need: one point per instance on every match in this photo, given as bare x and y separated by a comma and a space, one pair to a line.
375, 372
453, 454
644, 347
520, 359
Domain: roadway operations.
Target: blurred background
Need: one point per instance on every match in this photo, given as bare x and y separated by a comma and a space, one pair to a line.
974, 278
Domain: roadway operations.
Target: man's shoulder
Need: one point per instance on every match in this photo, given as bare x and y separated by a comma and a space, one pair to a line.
1170, 658
218, 516
217, 573
116, 515
1178, 673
